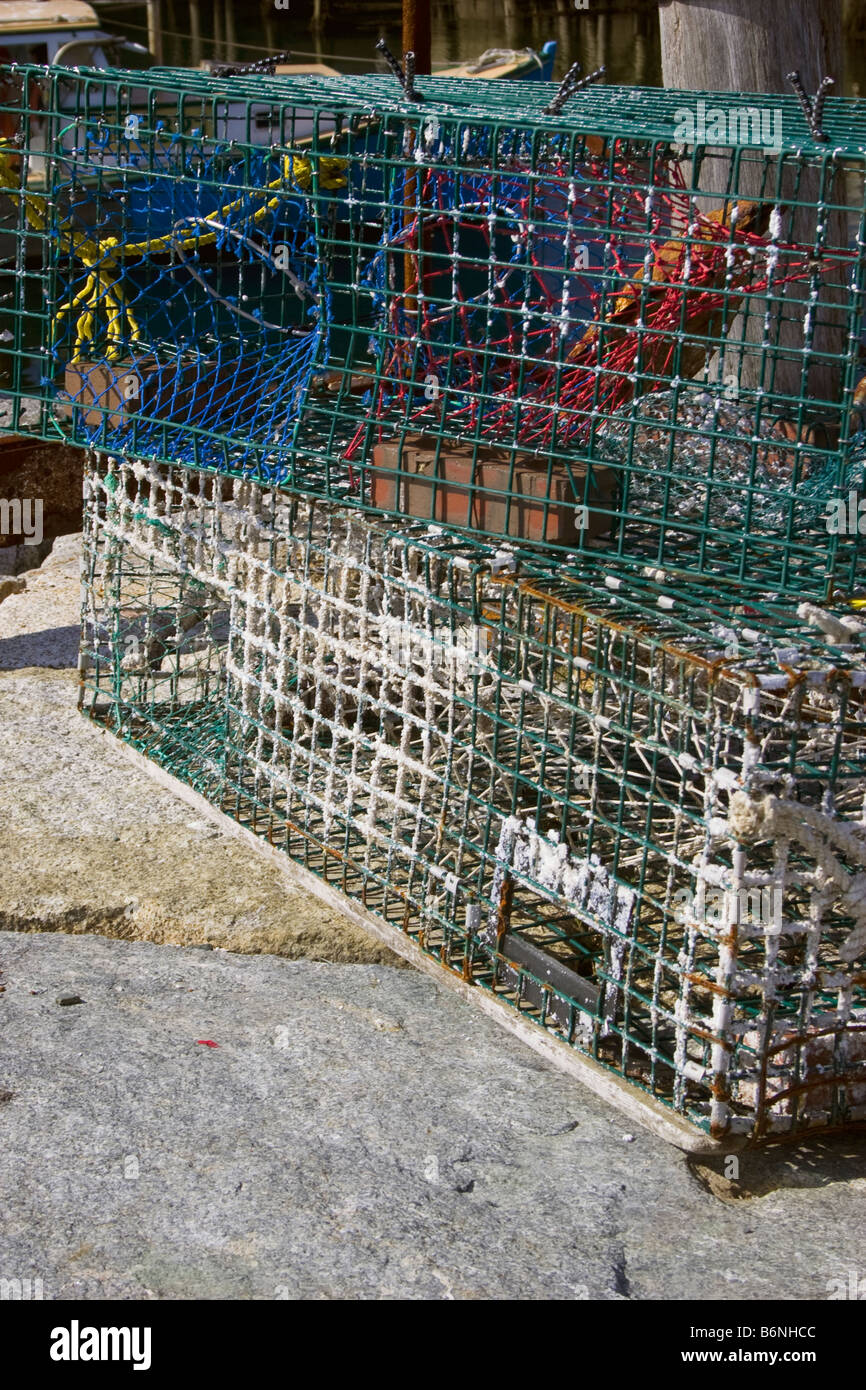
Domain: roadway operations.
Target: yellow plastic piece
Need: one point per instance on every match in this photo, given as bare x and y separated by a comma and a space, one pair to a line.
103, 288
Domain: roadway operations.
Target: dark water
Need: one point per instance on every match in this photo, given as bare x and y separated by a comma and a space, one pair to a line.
623, 36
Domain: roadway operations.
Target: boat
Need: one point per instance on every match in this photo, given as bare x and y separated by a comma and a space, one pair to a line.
64, 33
495, 64
509, 65
254, 122
67, 34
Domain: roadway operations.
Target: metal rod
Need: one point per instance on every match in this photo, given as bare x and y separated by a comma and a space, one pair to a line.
416, 33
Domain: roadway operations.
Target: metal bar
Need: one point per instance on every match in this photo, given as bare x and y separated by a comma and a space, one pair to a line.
417, 33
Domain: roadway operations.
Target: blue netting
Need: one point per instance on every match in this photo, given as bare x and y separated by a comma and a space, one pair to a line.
190, 310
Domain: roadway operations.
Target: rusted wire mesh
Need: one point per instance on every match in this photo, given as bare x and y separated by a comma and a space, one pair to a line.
475, 514
625, 803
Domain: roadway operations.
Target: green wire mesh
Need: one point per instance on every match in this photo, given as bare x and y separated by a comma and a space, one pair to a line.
632, 327
628, 805
473, 513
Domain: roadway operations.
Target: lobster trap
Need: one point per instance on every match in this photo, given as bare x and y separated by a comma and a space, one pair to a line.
473, 514
621, 801
629, 325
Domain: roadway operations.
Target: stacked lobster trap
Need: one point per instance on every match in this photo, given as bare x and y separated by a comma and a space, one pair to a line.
473, 513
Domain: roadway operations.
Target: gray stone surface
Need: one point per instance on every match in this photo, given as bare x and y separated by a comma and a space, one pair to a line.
358, 1130
10, 585
17, 559
39, 622
89, 843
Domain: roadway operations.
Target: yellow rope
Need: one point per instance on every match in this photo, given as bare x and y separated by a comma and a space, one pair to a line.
100, 257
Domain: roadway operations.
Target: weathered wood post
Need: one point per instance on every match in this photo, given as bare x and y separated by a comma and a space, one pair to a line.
746, 46
154, 29
511, 14
195, 32
231, 46
218, 16
268, 16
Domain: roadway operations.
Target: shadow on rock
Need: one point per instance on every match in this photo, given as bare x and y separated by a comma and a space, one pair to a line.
809, 1162
54, 646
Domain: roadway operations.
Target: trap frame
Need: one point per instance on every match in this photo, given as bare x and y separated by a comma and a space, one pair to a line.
456, 523
628, 806
574, 330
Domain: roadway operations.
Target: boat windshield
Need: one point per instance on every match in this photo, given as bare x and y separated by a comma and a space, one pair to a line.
24, 50
103, 51
89, 51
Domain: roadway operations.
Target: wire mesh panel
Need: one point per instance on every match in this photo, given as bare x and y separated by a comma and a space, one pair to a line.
475, 514
629, 805
629, 326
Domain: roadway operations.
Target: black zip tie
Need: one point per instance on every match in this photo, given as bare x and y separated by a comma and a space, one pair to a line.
818, 104
562, 93
569, 85
261, 65
812, 110
407, 78
409, 60
585, 81
382, 47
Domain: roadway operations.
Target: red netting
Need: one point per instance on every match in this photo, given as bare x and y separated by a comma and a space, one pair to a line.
526, 307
